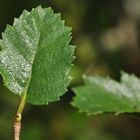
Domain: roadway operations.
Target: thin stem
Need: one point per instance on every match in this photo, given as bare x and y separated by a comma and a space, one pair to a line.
22, 104
18, 117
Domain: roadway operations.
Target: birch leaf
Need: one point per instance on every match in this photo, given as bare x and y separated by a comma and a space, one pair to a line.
100, 95
35, 56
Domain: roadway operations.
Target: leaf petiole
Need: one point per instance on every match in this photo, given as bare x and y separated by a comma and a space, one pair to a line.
20, 108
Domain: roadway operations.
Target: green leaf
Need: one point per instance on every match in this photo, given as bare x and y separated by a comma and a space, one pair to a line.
35, 56
100, 95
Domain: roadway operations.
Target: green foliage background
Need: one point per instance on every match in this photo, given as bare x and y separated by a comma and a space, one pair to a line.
106, 34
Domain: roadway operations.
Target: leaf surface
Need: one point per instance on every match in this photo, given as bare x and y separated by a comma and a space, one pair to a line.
100, 95
35, 56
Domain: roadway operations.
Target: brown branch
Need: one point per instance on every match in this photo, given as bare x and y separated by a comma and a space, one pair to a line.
17, 120
17, 128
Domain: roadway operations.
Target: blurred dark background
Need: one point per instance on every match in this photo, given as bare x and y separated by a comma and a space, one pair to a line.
107, 36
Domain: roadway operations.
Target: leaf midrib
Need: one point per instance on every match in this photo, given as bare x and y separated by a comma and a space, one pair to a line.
28, 83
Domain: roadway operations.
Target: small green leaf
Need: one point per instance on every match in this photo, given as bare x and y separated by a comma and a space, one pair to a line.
100, 95
35, 56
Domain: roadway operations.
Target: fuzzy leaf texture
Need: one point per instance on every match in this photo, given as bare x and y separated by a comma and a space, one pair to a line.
35, 56
100, 95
